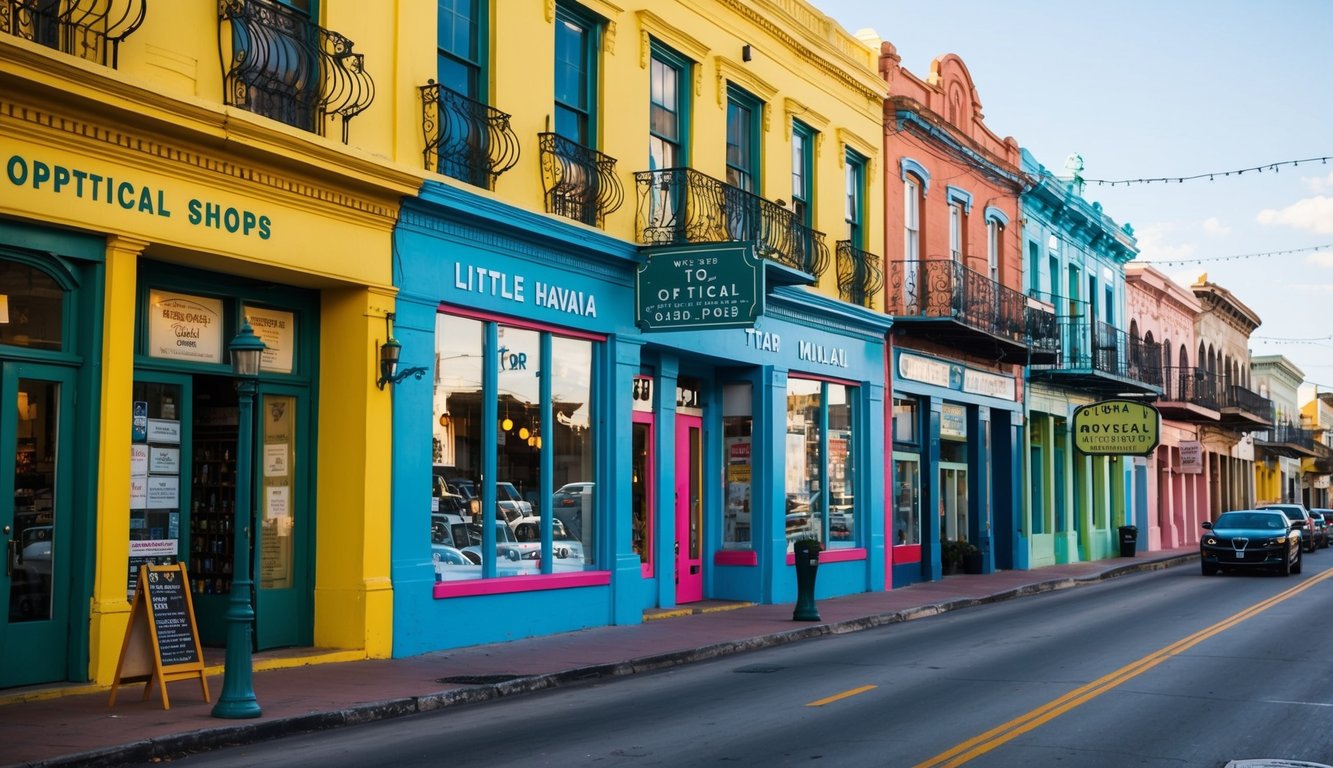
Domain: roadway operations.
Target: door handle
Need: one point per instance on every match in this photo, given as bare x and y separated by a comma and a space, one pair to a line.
13, 556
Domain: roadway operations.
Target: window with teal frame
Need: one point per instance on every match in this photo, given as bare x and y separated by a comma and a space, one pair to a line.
803, 172
855, 207
668, 109
460, 32
577, 36
743, 113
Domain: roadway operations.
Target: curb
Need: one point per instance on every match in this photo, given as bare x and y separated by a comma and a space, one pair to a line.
182, 744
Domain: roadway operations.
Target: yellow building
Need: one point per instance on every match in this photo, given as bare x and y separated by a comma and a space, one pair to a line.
170, 169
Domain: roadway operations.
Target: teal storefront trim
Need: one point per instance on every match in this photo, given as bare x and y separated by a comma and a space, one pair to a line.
460, 255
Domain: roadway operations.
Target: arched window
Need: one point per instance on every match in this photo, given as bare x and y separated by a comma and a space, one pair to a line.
32, 307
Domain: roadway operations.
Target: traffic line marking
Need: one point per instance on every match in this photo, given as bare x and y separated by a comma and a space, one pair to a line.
1003, 734
841, 696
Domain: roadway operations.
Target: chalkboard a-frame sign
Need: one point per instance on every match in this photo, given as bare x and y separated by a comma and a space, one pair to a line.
162, 640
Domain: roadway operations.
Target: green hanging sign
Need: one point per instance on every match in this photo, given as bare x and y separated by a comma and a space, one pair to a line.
709, 285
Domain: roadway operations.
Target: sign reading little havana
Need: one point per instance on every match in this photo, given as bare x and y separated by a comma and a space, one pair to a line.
1116, 428
712, 285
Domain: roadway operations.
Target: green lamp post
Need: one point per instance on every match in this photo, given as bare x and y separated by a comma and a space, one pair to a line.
238, 695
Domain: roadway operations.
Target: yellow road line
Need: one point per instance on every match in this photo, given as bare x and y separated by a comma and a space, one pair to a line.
841, 696
1002, 734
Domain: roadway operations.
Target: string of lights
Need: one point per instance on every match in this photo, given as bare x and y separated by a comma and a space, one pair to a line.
1273, 167
1239, 256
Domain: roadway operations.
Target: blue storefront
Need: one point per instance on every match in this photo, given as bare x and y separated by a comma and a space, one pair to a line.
558, 467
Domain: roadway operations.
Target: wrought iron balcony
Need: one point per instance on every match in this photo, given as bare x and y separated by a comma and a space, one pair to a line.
580, 183
1100, 358
284, 66
946, 301
89, 29
465, 139
860, 276
1244, 409
681, 205
1288, 440
1190, 394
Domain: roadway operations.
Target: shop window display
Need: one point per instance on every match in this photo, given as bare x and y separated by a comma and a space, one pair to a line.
542, 393
821, 462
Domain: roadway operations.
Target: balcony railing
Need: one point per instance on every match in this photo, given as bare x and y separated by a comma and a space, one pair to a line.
860, 277
1187, 384
580, 183
681, 205
944, 288
1289, 440
465, 139
1103, 350
1244, 400
284, 66
89, 29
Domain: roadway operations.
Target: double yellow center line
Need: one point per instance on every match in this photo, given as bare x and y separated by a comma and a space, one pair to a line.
1011, 730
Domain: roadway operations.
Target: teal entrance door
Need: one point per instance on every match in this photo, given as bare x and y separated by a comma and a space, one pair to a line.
36, 525
284, 611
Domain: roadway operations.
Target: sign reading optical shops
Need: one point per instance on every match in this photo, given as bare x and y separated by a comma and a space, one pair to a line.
700, 286
184, 327
1116, 428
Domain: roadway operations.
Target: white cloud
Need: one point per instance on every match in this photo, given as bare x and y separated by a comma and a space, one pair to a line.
1214, 226
1314, 214
1153, 245
1317, 184
1320, 259
1315, 289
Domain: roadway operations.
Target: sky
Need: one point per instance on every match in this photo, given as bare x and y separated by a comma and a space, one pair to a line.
1154, 89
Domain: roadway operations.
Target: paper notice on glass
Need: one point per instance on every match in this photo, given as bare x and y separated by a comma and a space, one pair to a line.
275, 460
275, 502
138, 492
163, 492
138, 460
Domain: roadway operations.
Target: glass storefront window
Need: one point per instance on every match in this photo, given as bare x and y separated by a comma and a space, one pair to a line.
737, 426
906, 499
31, 307
821, 461
904, 420
543, 400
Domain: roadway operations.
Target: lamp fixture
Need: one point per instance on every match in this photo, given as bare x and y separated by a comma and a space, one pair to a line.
247, 351
747, 53
4, 308
389, 353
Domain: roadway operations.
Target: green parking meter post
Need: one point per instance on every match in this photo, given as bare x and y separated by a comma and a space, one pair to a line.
807, 565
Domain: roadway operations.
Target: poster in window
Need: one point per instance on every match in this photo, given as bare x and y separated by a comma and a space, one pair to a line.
184, 327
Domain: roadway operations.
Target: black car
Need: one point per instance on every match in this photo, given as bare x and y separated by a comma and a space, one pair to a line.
1251, 538
1322, 521
1300, 517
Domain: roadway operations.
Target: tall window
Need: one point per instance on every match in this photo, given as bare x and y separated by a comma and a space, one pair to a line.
738, 437
993, 232
854, 205
742, 139
1034, 268
459, 48
821, 461
911, 219
956, 231
540, 385
802, 171
666, 128
576, 44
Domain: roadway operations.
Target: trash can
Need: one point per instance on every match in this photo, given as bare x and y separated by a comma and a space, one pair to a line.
807, 566
1129, 539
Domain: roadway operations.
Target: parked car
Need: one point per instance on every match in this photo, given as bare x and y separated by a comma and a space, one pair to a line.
1252, 538
528, 531
511, 504
1299, 516
506, 544
570, 502
1323, 522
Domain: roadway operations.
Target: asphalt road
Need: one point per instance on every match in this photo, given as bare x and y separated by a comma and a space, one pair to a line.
1161, 669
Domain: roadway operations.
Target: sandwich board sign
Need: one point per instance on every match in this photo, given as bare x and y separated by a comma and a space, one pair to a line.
162, 640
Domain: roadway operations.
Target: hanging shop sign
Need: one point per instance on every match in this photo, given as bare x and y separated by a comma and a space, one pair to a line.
1116, 428
699, 286
1191, 457
184, 327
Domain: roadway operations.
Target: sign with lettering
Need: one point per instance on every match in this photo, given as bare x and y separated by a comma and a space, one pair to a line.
277, 329
1116, 428
183, 327
161, 641
708, 285
1191, 457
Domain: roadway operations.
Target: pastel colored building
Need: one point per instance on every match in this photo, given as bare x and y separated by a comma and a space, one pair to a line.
962, 328
1280, 449
1076, 503
165, 180
641, 288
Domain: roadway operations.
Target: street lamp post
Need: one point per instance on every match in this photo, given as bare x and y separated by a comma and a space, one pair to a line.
238, 695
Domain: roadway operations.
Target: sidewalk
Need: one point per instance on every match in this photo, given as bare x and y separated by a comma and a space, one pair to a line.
309, 689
